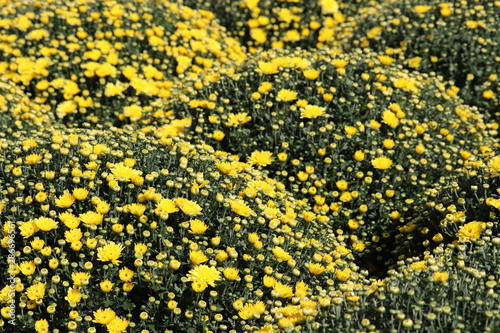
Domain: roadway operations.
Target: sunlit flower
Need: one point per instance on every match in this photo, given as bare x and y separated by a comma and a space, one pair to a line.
382, 163
261, 158
203, 276
197, 227
110, 252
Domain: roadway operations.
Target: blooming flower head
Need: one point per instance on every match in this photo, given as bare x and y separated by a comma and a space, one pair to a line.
382, 163
204, 276
188, 207
441, 276
45, 223
117, 325
65, 200
286, 95
126, 274
36, 291
42, 326
267, 68
165, 206
123, 172
79, 278
91, 218
231, 273
110, 252
74, 295
197, 227
241, 208
470, 230
197, 257
261, 158
238, 119
312, 111
248, 310
390, 118
104, 316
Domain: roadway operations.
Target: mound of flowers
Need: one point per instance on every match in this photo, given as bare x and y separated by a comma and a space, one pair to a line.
362, 139
249, 166
108, 61
182, 235
457, 39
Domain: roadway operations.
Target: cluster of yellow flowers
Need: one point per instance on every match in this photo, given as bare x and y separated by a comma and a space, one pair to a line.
249, 166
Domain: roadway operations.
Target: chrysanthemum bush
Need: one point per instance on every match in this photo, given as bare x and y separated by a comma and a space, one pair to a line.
277, 24
360, 138
108, 61
457, 39
462, 210
115, 229
454, 288
18, 111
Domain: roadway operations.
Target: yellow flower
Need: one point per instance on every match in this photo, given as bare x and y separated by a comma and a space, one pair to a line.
197, 257
286, 95
249, 310
241, 208
126, 274
188, 207
74, 295
106, 286
218, 135
91, 218
231, 273
80, 193
133, 112
123, 173
110, 252
73, 235
261, 158
311, 74
344, 274
33, 159
359, 155
488, 94
382, 163
117, 325
312, 111
259, 35
27, 267
69, 220
65, 200
238, 119
140, 248
316, 268
390, 118
441, 276
36, 291
414, 62
104, 316
202, 276
197, 227
421, 9
350, 130
281, 254
45, 223
386, 60
165, 206
301, 289
42, 326
80, 278
470, 230
267, 68
281, 290
342, 185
